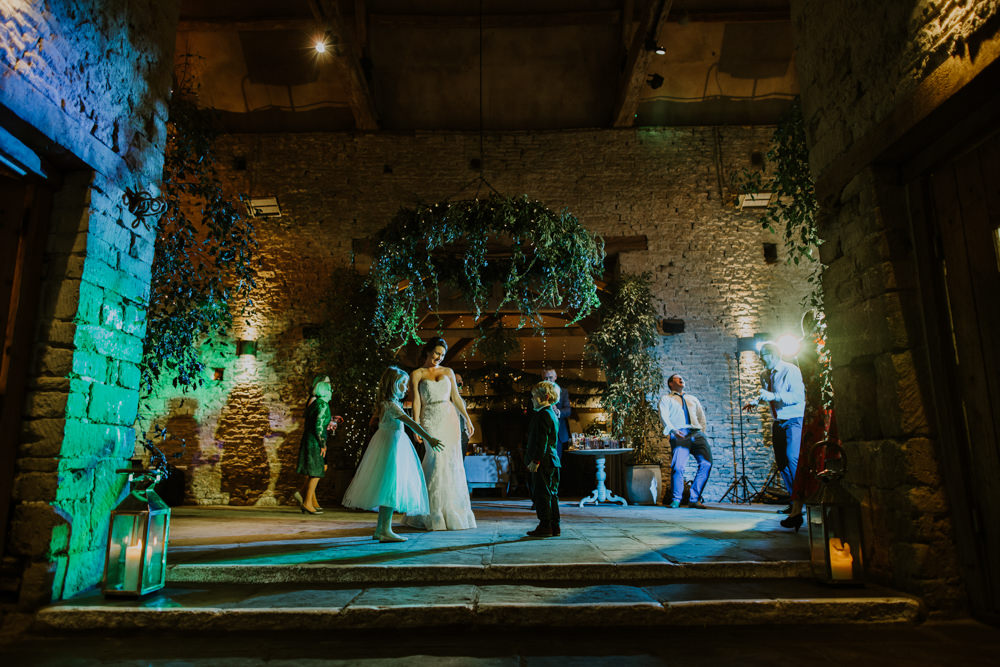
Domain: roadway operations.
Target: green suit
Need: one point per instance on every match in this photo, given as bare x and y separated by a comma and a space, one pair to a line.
543, 436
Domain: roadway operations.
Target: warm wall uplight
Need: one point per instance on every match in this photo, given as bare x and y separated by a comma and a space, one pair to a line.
246, 348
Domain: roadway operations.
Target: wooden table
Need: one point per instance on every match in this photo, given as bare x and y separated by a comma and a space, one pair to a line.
601, 494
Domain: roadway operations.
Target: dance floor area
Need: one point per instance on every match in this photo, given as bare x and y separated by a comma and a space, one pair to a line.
600, 535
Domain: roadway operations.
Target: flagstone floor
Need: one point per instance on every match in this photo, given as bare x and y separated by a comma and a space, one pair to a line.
605, 534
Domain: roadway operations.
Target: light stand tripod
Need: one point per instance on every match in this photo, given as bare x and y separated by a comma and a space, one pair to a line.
740, 486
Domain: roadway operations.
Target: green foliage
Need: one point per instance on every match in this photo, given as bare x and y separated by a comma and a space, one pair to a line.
785, 174
355, 359
793, 208
204, 259
624, 345
497, 345
549, 260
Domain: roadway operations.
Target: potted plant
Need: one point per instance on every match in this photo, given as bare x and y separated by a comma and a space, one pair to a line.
624, 346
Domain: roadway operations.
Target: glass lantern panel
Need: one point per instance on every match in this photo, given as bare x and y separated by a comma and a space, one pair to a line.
154, 569
843, 535
125, 546
817, 538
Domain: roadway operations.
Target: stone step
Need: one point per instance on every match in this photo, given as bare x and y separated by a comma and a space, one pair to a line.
527, 573
285, 607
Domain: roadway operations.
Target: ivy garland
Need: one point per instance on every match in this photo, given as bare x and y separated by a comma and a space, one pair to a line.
203, 263
793, 211
551, 261
625, 346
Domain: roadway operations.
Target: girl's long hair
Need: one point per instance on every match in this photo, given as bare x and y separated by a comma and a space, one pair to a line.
391, 387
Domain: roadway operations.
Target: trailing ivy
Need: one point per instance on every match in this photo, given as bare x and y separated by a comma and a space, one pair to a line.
355, 360
548, 260
792, 213
203, 263
624, 345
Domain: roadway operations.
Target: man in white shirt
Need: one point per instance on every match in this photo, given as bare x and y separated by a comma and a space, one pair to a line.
782, 389
684, 422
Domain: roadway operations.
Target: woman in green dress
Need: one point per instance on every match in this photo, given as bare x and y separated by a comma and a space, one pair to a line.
312, 450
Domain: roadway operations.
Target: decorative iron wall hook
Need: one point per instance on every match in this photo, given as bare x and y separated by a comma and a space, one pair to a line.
144, 206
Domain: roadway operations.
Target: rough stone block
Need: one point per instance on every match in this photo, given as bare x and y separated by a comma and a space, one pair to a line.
32, 528
113, 405
47, 464
46, 404
128, 375
900, 403
35, 486
921, 462
39, 581
90, 365
55, 362
84, 570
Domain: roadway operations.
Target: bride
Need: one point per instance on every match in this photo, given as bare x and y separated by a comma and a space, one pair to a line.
436, 403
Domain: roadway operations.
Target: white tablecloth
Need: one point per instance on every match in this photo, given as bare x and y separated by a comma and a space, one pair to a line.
487, 469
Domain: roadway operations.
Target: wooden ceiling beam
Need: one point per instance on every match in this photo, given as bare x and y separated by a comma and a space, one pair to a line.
633, 76
734, 16
569, 363
362, 102
491, 21
250, 25
526, 332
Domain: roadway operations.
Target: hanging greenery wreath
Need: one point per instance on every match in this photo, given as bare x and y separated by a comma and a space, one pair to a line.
548, 260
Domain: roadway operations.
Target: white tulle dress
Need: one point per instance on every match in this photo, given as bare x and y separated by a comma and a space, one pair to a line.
444, 470
389, 474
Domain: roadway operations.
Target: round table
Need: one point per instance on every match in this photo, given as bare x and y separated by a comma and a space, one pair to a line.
601, 494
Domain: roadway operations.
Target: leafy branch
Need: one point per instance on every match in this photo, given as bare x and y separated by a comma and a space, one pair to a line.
624, 345
546, 259
203, 262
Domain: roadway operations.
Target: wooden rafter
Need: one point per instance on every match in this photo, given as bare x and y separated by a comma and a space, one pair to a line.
526, 332
633, 77
362, 103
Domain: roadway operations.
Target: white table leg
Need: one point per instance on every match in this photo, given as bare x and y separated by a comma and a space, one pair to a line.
602, 494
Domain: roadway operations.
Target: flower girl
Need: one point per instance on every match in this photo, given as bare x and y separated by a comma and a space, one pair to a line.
389, 476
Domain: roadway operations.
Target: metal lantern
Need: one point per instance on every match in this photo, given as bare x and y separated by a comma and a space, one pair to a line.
136, 559
834, 521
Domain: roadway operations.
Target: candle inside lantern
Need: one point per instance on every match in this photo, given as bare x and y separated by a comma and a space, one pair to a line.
841, 561
133, 558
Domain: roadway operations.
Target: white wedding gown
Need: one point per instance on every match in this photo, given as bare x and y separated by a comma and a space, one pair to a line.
444, 470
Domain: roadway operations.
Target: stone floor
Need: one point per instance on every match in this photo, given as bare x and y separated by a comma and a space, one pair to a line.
622, 586
605, 534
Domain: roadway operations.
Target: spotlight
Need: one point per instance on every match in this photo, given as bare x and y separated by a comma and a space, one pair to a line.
654, 81
789, 345
651, 45
320, 46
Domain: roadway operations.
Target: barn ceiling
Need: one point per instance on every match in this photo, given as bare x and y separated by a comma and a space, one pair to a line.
398, 65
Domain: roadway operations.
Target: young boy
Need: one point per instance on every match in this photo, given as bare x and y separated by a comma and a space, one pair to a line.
542, 459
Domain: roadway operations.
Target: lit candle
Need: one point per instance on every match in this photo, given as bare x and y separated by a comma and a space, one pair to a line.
133, 558
841, 561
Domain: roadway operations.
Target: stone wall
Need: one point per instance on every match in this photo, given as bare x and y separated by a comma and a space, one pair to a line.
705, 256
851, 80
87, 84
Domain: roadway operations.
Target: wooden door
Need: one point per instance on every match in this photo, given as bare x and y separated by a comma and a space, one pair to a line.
956, 211
24, 213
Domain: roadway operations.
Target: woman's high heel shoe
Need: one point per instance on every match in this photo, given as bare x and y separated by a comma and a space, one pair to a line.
792, 521
306, 510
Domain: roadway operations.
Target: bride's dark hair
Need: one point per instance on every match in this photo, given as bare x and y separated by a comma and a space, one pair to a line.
428, 349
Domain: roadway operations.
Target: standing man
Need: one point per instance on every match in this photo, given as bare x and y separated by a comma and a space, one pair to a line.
562, 408
782, 389
684, 422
